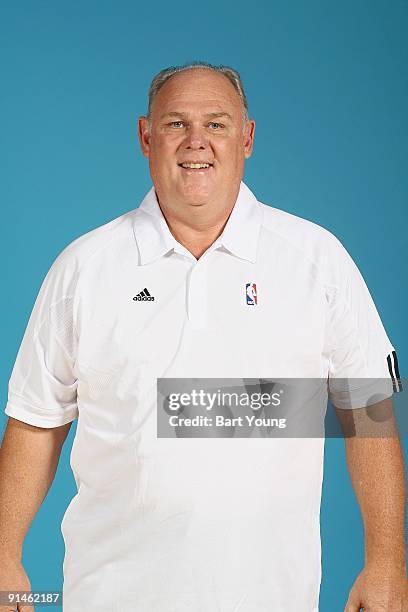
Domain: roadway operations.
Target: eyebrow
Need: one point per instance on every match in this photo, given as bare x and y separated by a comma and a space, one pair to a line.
207, 115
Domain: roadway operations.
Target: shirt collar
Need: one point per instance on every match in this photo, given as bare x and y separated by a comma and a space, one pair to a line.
240, 236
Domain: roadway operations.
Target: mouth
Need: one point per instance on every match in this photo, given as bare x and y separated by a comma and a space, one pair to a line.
200, 167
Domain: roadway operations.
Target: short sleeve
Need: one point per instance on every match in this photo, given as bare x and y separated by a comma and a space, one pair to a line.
363, 364
43, 386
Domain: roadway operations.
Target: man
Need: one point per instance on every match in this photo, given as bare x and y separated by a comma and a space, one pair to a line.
199, 525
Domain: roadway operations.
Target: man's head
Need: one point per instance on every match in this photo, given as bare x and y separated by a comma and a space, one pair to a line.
197, 115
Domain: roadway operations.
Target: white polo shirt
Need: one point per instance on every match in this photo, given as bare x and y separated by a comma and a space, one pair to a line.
203, 524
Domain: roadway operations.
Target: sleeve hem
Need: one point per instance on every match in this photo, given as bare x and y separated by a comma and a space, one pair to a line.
49, 420
368, 394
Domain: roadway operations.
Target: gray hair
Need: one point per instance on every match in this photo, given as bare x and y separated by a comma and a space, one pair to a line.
164, 75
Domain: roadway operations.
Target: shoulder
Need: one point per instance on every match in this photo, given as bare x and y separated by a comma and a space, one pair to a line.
308, 240
301, 233
89, 248
97, 240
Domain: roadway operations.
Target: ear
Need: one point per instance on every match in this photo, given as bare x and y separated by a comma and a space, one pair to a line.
249, 135
144, 135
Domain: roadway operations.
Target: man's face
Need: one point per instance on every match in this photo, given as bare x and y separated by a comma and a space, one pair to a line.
196, 117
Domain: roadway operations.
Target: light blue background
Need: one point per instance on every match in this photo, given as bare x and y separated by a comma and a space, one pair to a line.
327, 84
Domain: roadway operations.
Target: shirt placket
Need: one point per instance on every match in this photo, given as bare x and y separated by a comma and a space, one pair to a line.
197, 294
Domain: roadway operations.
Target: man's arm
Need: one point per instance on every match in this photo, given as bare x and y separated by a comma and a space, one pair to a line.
28, 461
376, 467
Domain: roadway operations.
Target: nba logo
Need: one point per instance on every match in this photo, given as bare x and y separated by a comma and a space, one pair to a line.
251, 294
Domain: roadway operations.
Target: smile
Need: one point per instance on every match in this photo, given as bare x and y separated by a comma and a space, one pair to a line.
195, 165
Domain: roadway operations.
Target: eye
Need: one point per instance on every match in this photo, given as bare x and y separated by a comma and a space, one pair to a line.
215, 125
176, 124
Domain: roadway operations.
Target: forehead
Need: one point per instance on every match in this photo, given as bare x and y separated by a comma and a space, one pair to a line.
197, 89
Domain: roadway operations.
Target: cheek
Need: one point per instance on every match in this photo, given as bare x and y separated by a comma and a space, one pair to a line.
162, 156
230, 154
162, 145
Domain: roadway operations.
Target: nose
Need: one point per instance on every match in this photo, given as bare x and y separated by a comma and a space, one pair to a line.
196, 139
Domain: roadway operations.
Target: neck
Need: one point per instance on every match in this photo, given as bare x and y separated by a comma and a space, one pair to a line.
197, 227
197, 241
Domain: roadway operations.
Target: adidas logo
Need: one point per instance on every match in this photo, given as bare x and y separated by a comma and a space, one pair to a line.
144, 296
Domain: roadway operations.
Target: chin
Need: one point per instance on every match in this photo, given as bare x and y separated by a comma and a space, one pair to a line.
198, 200
196, 197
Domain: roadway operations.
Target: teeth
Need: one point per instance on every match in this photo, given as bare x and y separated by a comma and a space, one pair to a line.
186, 165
